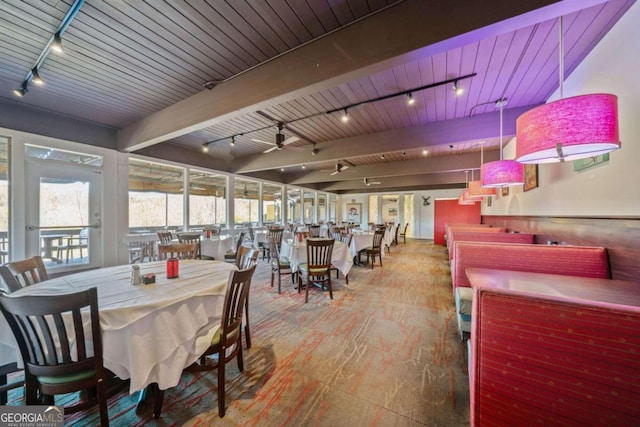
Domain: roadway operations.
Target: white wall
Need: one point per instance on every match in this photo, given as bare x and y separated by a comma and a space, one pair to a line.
609, 189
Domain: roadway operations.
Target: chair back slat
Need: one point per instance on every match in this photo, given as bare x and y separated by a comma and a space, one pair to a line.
191, 237
250, 255
319, 253
165, 237
377, 238
19, 274
177, 250
277, 233
314, 230
234, 303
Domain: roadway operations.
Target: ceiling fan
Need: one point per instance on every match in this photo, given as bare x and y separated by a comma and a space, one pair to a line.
368, 183
340, 166
281, 141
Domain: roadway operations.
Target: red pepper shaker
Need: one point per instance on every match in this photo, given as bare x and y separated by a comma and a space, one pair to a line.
172, 268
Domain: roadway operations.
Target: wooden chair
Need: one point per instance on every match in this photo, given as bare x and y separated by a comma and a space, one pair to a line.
226, 343
139, 251
395, 235
18, 274
317, 269
191, 237
247, 257
177, 250
404, 233
279, 265
375, 249
231, 255
52, 369
346, 239
275, 232
165, 237
80, 242
314, 230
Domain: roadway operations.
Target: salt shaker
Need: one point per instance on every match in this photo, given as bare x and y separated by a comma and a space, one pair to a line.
136, 278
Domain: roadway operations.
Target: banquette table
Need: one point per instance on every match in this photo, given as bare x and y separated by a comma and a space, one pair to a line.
150, 332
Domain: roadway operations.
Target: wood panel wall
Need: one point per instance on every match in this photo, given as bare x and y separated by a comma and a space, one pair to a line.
621, 236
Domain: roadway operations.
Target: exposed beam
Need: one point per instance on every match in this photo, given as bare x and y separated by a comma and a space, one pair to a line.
432, 165
384, 40
402, 189
476, 128
430, 179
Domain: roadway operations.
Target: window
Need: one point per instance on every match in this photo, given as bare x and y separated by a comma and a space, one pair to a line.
322, 208
246, 198
271, 204
155, 196
4, 199
333, 202
293, 200
207, 200
309, 207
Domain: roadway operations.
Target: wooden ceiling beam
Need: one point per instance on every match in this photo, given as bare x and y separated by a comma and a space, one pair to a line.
405, 31
475, 128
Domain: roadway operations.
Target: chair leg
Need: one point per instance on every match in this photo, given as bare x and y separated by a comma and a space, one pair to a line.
330, 290
221, 369
272, 274
247, 332
346, 278
158, 400
306, 290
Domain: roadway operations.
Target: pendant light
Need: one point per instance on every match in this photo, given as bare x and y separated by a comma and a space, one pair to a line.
465, 198
501, 173
475, 187
569, 128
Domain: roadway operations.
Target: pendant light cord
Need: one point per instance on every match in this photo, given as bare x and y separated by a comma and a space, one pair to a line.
561, 54
501, 108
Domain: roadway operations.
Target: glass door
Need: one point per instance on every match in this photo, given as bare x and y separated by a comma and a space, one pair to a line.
63, 214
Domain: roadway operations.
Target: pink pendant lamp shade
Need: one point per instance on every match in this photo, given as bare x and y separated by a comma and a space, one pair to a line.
477, 190
502, 173
568, 129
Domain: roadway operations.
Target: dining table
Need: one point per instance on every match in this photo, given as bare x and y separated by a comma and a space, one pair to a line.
216, 246
151, 332
296, 253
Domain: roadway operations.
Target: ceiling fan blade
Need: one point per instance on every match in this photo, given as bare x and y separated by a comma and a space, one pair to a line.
290, 140
268, 150
334, 172
262, 142
345, 167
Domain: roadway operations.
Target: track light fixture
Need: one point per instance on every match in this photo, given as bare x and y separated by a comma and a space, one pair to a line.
54, 43
36, 79
303, 166
345, 116
315, 150
205, 148
382, 156
457, 89
233, 140
22, 91
410, 99
425, 151
56, 46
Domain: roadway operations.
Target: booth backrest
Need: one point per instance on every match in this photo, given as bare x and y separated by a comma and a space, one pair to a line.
581, 261
477, 229
475, 236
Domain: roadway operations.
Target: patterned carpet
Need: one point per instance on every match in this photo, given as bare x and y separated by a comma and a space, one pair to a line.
384, 352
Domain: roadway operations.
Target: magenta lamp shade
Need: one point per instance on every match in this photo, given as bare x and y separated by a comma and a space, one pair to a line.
465, 201
568, 129
501, 173
477, 190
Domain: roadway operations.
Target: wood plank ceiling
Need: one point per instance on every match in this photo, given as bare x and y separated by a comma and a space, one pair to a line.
127, 60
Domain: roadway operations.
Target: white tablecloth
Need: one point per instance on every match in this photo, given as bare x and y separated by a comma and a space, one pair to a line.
362, 240
296, 252
216, 246
151, 332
